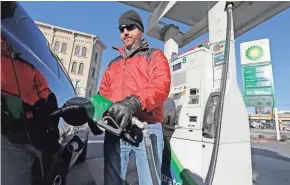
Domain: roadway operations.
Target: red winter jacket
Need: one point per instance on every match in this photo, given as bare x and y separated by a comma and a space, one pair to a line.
144, 73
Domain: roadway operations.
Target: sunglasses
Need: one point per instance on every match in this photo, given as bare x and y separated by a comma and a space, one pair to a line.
129, 27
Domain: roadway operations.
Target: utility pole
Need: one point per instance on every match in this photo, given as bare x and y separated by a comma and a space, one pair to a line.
277, 123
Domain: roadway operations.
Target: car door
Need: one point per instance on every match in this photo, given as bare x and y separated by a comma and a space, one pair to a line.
32, 90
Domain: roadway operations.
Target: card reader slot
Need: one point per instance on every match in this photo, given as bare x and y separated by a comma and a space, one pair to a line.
192, 119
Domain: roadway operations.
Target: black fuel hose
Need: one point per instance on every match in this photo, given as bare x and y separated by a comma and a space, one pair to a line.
148, 148
150, 157
212, 167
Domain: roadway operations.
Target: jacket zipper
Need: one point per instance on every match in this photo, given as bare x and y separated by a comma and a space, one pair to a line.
124, 64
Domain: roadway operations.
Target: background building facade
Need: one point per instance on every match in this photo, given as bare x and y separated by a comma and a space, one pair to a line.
80, 54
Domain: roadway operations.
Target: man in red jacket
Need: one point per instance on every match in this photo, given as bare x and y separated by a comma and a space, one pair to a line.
137, 82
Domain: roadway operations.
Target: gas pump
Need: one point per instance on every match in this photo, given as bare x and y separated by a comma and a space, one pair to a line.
192, 85
210, 142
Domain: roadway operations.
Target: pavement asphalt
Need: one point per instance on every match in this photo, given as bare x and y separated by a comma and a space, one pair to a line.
270, 162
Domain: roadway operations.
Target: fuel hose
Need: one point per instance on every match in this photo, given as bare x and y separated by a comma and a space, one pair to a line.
223, 83
148, 148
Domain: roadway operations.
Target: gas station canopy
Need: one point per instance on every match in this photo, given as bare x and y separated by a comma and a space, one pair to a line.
247, 15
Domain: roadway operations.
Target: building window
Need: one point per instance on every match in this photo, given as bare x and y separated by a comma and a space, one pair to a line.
56, 46
63, 47
93, 73
77, 51
81, 68
84, 51
91, 88
74, 67
77, 83
77, 87
96, 56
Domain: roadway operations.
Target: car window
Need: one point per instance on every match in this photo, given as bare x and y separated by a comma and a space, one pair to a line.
35, 40
8, 77
15, 20
11, 102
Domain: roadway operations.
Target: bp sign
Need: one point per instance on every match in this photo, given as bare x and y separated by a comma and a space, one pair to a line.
258, 85
255, 52
257, 73
254, 101
257, 80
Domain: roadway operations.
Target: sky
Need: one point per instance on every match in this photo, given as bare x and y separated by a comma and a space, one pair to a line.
101, 19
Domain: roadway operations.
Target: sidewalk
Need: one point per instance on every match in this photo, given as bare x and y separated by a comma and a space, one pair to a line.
268, 135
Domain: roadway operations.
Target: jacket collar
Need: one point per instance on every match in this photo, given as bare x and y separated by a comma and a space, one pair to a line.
143, 45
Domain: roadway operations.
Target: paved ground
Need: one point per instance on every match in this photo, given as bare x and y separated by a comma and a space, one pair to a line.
91, 172
271, 165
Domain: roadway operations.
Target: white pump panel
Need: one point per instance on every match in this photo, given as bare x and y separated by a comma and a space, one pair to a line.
192, 83
189, 71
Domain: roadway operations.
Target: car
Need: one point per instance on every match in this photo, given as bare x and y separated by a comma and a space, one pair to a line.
285, 126
255, 124
36, 147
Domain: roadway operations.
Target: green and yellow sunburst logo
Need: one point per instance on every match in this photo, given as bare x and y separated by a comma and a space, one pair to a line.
254, 53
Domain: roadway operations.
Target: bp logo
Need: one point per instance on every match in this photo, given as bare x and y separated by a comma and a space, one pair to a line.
254, 52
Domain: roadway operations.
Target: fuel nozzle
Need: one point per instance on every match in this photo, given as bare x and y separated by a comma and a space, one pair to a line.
76, 111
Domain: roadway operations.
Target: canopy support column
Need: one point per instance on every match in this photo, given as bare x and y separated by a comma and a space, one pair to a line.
170, 33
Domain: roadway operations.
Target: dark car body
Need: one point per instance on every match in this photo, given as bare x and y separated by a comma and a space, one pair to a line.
35, 148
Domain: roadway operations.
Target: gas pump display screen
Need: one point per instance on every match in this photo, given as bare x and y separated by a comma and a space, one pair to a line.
176, 67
